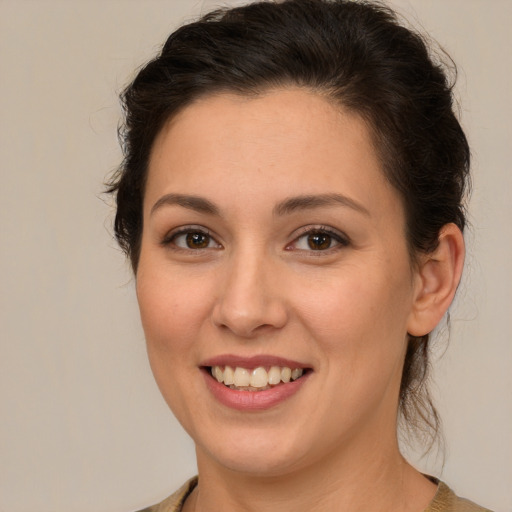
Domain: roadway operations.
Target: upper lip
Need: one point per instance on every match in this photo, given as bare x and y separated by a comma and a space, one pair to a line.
252, 362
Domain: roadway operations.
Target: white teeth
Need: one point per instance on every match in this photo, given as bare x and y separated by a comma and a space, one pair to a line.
296, 373
274, 375
218, 374
286, 374
229, 375
259, 378
256, 379
242, 377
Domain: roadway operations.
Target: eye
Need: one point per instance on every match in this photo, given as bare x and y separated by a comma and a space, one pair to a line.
191, 239
318, 239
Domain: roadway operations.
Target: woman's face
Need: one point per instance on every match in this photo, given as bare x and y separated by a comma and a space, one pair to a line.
272, 240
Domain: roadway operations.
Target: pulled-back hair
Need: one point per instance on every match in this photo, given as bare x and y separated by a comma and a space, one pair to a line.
357, 55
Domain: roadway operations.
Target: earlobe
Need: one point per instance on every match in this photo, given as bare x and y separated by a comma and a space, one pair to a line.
438, 276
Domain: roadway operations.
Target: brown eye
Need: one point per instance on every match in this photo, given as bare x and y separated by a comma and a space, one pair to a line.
192, 239
197, 240
319, 241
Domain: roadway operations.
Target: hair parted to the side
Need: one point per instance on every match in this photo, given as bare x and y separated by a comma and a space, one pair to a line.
354, 53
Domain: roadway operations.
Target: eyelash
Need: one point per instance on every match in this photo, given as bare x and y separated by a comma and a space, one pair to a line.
340, 239
170, 239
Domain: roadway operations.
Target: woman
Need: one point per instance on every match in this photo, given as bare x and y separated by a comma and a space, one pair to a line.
292, 203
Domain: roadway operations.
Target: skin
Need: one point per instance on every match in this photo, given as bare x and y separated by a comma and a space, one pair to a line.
258, 288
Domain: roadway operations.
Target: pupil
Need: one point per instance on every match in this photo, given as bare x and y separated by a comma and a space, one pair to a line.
197, 240
319, 241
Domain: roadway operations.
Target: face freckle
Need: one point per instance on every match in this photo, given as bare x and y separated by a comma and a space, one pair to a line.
275, 170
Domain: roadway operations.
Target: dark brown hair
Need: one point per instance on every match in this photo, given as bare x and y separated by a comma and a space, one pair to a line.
355, 53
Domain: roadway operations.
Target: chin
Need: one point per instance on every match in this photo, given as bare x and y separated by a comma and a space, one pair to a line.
257, 464
255, 453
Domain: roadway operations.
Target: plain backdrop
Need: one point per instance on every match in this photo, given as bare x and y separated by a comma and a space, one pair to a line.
82, 425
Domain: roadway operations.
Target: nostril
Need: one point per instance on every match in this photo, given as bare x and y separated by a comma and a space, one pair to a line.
246, 306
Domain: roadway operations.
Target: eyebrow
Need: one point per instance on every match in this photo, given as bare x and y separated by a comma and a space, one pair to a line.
196, 203
307, 202
286, 207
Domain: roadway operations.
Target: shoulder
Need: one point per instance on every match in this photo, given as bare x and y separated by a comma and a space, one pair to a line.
446, 500
174, 502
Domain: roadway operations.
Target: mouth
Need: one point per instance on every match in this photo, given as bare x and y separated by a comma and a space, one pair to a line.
256, 379
253, 383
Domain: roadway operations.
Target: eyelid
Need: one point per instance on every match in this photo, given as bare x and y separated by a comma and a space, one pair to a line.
170, 236
341, 238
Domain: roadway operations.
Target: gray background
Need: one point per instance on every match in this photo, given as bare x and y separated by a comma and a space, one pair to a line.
82, 425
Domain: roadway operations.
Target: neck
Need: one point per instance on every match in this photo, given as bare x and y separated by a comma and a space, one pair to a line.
359, 479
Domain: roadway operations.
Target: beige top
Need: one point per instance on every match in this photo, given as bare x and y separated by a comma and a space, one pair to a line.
445, 500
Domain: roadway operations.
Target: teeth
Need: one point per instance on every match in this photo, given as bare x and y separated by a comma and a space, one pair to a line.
274, 375
218, 374
242, 377
286, 374
296, 373
229, 375
258, 378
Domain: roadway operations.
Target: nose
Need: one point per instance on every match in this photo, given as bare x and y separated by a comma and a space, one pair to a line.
250, 301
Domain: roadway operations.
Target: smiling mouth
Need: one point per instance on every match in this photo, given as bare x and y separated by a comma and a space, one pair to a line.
256, 379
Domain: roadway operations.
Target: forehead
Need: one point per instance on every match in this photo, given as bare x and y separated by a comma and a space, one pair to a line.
285, 140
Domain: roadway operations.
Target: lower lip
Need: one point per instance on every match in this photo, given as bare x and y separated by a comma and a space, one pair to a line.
253, 400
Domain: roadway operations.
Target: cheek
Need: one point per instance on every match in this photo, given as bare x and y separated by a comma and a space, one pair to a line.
170, 311
171, 308
359, 316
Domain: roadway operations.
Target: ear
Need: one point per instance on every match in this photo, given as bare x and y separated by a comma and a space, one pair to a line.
437, 278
